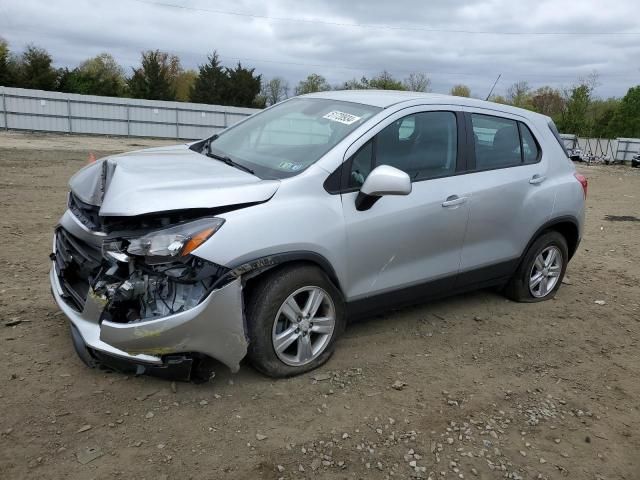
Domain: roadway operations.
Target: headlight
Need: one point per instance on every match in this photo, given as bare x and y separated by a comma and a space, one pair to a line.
177, 241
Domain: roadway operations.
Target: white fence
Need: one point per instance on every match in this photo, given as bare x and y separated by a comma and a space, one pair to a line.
619, 149
627, 148
23, 109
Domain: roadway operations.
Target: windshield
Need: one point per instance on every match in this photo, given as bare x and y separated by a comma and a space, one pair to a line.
284, 140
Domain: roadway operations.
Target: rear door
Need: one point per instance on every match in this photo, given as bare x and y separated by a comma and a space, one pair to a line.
407, 241
510, 194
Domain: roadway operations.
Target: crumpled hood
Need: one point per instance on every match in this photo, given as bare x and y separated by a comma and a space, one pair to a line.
164, 179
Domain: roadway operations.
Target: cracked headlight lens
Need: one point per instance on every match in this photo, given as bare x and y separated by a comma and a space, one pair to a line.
177, 241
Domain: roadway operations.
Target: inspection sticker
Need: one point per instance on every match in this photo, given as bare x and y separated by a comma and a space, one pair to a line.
294, 167
341, 117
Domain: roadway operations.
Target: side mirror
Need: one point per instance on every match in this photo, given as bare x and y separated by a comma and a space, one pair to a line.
383, 180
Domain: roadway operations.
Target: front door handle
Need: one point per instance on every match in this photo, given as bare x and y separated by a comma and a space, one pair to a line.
537, 179
453, 201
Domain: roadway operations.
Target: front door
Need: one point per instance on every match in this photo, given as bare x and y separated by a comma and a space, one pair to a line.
407, 241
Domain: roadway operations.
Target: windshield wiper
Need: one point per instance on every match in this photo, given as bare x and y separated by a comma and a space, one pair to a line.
229, 162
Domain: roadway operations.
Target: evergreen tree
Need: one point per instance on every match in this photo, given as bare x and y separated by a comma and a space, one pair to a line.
242, 87
212, 82
153, 80
35, 70
7, 66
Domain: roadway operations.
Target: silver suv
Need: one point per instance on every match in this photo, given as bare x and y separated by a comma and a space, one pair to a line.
261, 241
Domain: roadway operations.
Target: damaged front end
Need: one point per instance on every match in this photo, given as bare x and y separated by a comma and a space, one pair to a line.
140, 297
154, 275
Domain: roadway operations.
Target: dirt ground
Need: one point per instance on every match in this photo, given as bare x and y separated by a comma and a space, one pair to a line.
485, 388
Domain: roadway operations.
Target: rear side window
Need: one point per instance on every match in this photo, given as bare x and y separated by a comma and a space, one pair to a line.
530, 150
501, 142
497, 142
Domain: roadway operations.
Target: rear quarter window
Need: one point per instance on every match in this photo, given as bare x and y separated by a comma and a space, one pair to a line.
530, 149
556, 134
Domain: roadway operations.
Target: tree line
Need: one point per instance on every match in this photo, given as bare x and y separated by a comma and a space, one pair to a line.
160, 76
577, 110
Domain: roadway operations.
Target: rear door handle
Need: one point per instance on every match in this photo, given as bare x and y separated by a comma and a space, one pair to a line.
453, 201
537, 179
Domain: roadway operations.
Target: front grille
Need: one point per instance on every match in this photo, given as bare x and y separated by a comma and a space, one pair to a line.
77, 263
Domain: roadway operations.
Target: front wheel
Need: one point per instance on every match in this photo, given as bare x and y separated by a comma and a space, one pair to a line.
295, 314
541, 271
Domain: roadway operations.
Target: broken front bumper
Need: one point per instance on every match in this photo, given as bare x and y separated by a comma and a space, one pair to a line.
215, 328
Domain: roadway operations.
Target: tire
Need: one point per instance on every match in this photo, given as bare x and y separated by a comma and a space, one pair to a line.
519, 288
269, 318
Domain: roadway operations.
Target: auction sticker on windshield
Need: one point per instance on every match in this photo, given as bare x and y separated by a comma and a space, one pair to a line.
341, 117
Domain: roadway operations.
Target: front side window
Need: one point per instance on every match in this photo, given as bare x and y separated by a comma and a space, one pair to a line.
424, 145
361, 165
287, 138
497, 142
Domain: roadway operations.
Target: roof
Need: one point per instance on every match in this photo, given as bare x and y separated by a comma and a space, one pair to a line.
387, 98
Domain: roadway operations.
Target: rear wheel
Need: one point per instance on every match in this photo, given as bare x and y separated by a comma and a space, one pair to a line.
541, 271
295, 314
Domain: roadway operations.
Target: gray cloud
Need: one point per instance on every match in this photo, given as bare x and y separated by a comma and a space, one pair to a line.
73, 30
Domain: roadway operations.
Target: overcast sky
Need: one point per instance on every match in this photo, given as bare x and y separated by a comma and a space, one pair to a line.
453, 41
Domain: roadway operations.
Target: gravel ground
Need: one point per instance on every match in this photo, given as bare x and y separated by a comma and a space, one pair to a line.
473, 386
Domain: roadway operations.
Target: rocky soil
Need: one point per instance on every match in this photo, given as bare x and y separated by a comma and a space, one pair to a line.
473, 386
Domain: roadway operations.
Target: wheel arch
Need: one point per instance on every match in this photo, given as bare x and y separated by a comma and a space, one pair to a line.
567, 226
258, 267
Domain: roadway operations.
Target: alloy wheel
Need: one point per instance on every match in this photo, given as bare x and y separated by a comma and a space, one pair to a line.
303, 326
545, 272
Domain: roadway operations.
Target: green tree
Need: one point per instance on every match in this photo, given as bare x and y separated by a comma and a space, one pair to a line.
601, 114
626, 120
153, 80
417, 82
183, 82
275, 90
242, 87
35, 70
313, 83
7, 65
68, 80
460, 91
100, 75
573, 118
211, 84
385, 81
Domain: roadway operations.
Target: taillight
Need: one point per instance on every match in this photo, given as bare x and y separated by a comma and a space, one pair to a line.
583, 181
